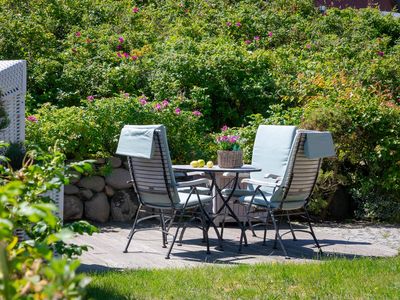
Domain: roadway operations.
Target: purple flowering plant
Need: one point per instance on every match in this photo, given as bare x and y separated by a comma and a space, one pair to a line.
227, 140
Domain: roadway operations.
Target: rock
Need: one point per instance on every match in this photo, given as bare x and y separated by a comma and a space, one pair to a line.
97, 209
71, 189
100, 161
86, 194
115, 162
74, 177
123, 205
73, 208
94, 183
109, 191
118, 179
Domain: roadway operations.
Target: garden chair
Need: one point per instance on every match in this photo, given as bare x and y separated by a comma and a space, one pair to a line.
153, 179
271, 151
284, 196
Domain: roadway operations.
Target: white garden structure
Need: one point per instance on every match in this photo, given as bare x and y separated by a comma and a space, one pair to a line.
12, 94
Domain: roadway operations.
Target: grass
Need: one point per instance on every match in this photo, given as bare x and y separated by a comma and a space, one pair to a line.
364, 278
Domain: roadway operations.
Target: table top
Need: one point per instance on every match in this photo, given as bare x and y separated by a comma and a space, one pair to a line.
216, 168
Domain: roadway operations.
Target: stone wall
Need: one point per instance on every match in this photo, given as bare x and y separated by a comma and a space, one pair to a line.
101, 198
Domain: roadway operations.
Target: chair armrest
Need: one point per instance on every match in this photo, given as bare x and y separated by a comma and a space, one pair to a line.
195, 173
233, 174
259, 182
277, 178
192, 182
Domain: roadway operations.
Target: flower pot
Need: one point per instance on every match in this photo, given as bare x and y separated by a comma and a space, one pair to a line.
230, 159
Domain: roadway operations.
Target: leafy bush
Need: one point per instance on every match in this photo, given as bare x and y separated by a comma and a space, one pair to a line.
366, 132
93, 129
234, 58
29, 269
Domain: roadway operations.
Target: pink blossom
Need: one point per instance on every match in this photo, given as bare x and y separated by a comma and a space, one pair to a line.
238, 24
32, 119
78, 34
126, 95
143, 100
247, 42
135, 9
119, 47
256, 38
381, 53
177, 111
126, 55
197, 113
119, 55
165, 103
308, 46
90, 98
121, 40
233, 139
270, 33
134, 57
224, 128
229, 24
158, 106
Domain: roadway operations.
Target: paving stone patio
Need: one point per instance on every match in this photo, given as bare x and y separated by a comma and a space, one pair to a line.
341, 240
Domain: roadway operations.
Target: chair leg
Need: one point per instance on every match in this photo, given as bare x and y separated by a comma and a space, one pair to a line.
175, 235
277, 234
132, 232
181, 235
265, 230
291, 227
312, 231
163, 229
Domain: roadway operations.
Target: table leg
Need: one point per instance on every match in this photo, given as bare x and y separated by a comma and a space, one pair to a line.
231, 212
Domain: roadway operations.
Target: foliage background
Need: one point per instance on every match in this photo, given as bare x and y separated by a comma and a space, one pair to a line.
228, 59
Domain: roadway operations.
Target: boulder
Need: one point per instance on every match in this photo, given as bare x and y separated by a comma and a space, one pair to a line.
74, 177
86, 194
109, 191
115, 162
94, 183
118, 179
123, 205
71, 189
73, 208
97, 209
100, 161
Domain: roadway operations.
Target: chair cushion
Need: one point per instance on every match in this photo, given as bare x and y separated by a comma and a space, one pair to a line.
259, 201
193, 200
201, 189
271, 150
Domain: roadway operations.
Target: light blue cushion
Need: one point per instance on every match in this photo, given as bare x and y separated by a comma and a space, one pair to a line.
271, 150
259, 201
193, 200
136, 141
318, 144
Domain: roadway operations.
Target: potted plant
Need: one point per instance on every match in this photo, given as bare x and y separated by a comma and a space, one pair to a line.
229, 154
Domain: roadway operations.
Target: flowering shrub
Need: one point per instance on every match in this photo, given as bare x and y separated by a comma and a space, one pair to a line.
29, 269
92, 130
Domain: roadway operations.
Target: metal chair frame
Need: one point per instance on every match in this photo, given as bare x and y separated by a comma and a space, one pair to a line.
173, 210
274, 213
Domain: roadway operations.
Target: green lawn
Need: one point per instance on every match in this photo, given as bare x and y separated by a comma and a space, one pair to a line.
333, 279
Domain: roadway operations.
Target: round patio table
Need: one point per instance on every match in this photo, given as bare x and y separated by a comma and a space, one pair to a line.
225, 199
